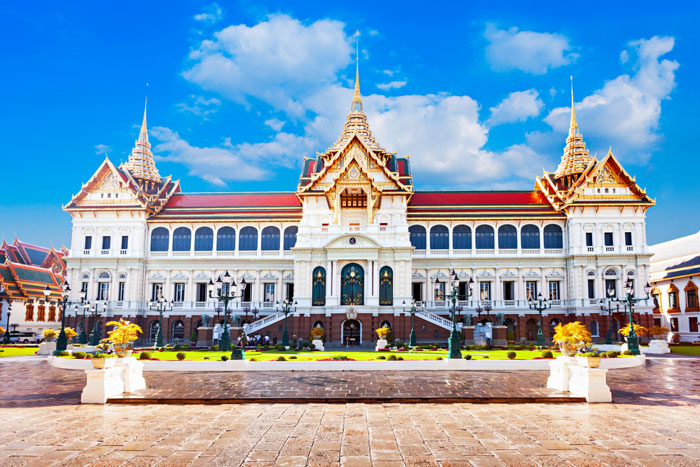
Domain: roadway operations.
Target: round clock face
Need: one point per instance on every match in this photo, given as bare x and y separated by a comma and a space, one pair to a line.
352, 240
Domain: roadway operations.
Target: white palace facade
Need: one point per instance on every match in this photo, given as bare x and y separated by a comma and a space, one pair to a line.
355, 241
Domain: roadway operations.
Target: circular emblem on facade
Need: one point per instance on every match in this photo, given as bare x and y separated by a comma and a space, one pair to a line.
354, 173
352, 240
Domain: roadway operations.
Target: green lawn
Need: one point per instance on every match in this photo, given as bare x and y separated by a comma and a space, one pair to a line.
356, 355
17, 351
686, 349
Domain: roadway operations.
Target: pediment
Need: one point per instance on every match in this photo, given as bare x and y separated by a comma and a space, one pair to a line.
107, 187
352, 241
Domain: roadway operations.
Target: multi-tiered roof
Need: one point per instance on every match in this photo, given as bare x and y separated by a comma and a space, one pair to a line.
26, 270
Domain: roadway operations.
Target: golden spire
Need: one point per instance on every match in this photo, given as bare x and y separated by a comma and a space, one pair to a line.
143, 135
573, 126
141, 164
576, 157
356, 105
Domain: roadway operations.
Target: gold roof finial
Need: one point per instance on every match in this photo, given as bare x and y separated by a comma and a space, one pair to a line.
576, 157
143, 135
573, 125
356, 105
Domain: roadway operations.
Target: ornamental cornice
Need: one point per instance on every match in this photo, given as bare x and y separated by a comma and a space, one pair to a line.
417, 275
439, 275
270, 277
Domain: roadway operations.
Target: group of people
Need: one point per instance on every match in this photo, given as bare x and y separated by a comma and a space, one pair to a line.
243, 339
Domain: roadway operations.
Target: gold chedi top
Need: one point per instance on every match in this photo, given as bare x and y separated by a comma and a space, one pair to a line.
576, 157
141, 164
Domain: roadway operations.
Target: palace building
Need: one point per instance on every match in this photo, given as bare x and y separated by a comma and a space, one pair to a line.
355, 244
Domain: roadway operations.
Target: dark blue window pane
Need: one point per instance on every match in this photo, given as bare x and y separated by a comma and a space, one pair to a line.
182, 239
553, 237
462, 237
439, 238
530, 237
248, 239
484, 237
507, 237
226, 239
160, 237
290, 237
270, 239
417, 234
204, 239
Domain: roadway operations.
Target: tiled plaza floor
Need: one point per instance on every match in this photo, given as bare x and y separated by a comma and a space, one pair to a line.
657, 423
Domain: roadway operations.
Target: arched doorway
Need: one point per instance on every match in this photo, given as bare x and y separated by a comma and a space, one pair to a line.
153, 330
352, 280
352, 332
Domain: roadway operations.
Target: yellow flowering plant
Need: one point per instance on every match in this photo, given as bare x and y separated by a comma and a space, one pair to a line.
317, 333
638, 330
125, 332
571, 336
48, 334
70, 333
382, 332
658, 330
2, 330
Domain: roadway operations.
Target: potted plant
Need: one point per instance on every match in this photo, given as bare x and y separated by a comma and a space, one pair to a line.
383, 334
588, 360
48, 335
639, 330
316, 335
658, 332
70, 333
193, 338
570, 337
100, 361
123, 336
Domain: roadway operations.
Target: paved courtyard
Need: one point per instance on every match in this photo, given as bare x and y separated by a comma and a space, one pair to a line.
655, 421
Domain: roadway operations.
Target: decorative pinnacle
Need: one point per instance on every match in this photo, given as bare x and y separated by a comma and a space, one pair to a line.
356, 105
573, 125
143, 136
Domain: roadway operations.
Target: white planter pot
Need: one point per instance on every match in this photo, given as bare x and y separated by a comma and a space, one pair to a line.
381, 344
318, 344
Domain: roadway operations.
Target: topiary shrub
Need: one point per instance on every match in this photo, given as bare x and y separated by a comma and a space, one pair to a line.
467, 357
381, 357
438, 358
214, 347
177, 347
281, 358
511, 355
628, 352
145, 356
546, 354
180, 355
224, 358
64, 353
400, 358
279, 347
293, 357
391, 357
79, 355
169, 347
254, 359
205, 358
186, 346
612, 354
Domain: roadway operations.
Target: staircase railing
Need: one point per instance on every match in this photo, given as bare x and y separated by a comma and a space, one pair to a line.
262, 322
435, 319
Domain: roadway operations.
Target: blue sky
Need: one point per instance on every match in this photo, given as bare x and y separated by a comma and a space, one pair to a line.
239, 92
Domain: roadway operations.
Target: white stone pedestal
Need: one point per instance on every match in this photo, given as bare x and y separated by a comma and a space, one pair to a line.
381, 344
46, 348
133, 374
102, 384
318, 344
658, 346
590, 383
559, 373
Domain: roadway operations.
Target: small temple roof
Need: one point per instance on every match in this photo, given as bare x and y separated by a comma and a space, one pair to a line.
141, 164
23, 273
576, 157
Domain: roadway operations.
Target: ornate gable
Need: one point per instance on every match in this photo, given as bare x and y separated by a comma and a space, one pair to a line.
107, 188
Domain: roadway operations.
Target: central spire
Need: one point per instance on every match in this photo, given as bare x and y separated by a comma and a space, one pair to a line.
143, 135
576, 157
141, 164
356, 106
573, 126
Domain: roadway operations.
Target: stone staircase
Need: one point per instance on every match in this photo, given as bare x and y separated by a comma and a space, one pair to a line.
435, 319
262, 322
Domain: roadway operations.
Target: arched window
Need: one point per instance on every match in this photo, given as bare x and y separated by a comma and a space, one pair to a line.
385, 324
386, 286
270, 239
352, 285
153, 330
160, 238
226, 239
290, 237
41, 309
318, 294
507, 237
52, 313
593, 326
553, 237
248, 239
28, 312
203, 239
178, 330
182, 239
462, 237
530, 237
318, 324
417, 234
439, 237
484, 237
553, 324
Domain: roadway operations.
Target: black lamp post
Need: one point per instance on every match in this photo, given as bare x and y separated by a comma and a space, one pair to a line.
630, 301
6, 337
62, 341
85, 305
287, 307
608, 300
540, 305
95, 336
225, 293
255, 314
160, 305
412, 339
454, 344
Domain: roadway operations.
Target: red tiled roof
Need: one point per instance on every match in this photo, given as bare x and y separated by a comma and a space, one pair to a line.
428, 205
422, 198
232, 200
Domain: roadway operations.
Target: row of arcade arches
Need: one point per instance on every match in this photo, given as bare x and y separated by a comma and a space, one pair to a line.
485, 237
204, 239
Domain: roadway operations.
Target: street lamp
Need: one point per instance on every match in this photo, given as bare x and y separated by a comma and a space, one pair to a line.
412, 339
629, 301
160, 305
454, 342
224, 293
95, 336
287, 307
6, 338
62, 342
540, 305
608, 300
85, 305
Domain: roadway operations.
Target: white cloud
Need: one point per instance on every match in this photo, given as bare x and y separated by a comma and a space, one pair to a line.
517, 107
391, 85
102, 149
625, 112
274, 123
200, 106
528, 51
211, 14
279, 61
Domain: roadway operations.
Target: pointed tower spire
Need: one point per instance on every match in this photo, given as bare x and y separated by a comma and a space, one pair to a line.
356, 105
141, 164
576, 157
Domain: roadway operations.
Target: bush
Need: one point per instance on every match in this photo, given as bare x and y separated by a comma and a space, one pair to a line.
169, 347
281, 358
214, 347
627, 352
279, 347
612, 354
546, 354
391, 357
145, 356
293, 357
484, 347
64, 353
186, 346
205, 358
224, 358
511, 355
79, 355
177, 347
381, 357
400, 358
438, 358
485, 357
591, 354
467, 357
254, 359
180, 355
